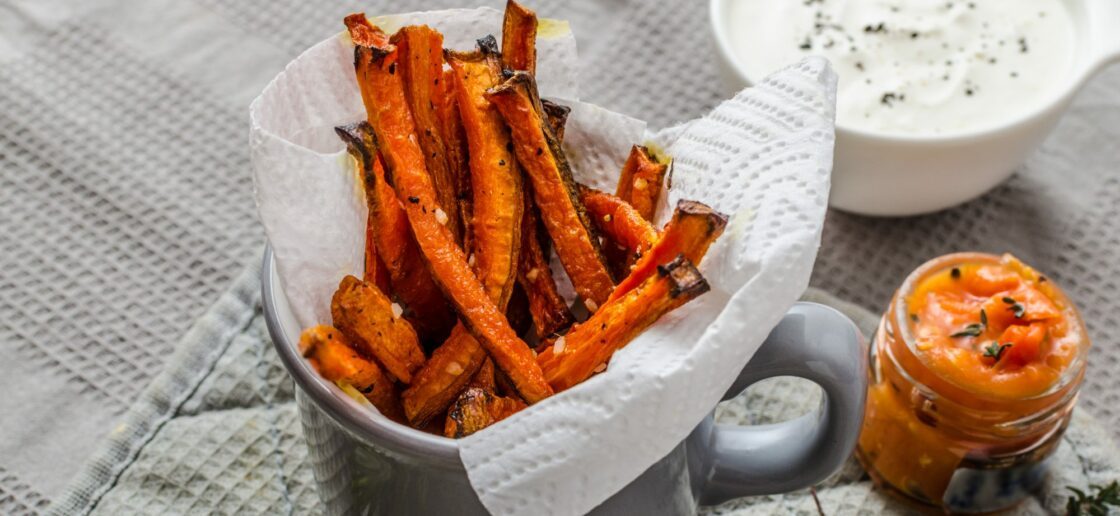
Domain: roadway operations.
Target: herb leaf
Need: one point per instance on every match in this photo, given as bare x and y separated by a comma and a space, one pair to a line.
972, 330
995, 350
983, 318
1096, 503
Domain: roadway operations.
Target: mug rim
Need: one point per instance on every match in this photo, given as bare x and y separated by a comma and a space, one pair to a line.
369, 426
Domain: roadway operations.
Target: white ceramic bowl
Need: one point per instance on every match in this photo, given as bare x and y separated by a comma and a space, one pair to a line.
900, 174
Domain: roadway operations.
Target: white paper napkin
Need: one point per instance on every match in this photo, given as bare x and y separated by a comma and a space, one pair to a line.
763, 157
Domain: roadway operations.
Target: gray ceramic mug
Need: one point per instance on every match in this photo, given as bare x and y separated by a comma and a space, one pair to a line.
366, 464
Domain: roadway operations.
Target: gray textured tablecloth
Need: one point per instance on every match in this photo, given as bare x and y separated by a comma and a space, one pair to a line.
125, 211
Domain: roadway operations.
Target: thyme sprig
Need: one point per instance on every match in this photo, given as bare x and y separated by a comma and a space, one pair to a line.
1016, 307
974, 329
1095, 503
995, 350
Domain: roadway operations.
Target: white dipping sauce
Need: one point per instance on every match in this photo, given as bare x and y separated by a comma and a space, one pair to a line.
920, 67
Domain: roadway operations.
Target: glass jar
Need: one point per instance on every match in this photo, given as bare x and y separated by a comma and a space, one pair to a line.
948, 445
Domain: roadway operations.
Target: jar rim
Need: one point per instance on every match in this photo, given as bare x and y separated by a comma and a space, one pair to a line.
1072, 373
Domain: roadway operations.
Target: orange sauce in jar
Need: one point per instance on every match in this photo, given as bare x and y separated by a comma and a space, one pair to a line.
975, 371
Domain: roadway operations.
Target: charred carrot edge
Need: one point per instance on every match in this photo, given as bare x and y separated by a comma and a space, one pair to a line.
641, 181
519, 38
540, 155
455, 140
577, 355
443, 377
411, 283
363, 33
421, 67
497, 193
548, 308
619, 222
383, 94
361, 147
334, 357
365, 315
557, 117
477, 408
690, 232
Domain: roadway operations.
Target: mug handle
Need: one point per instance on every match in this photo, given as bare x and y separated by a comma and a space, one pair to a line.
819, 344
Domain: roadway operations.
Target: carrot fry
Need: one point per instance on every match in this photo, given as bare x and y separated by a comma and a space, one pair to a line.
412, 285
692, 229
478, 408
366, 316
387, 108
443, 377
576, 356
495, 177
641, 180
336, 360
563, 213
421, 66
548, 308
519, 38
455, 139
363, 153
484, 378
495, 232
619, 222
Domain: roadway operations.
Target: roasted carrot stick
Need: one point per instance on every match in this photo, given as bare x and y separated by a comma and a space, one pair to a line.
476, 409
548, 308
484, 378
412, 285
576, 356
421, 67
519, 38
495, 228
368, 319
336, 360
495, 176
641, 181
451, 124
692, 229
443, 377
364, 154
576, 241
387, 108
619, 221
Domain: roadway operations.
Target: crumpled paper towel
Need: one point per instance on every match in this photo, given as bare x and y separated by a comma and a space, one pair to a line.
763, 157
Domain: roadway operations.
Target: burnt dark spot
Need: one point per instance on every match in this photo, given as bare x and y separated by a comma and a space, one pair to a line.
413, 199
392, 68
